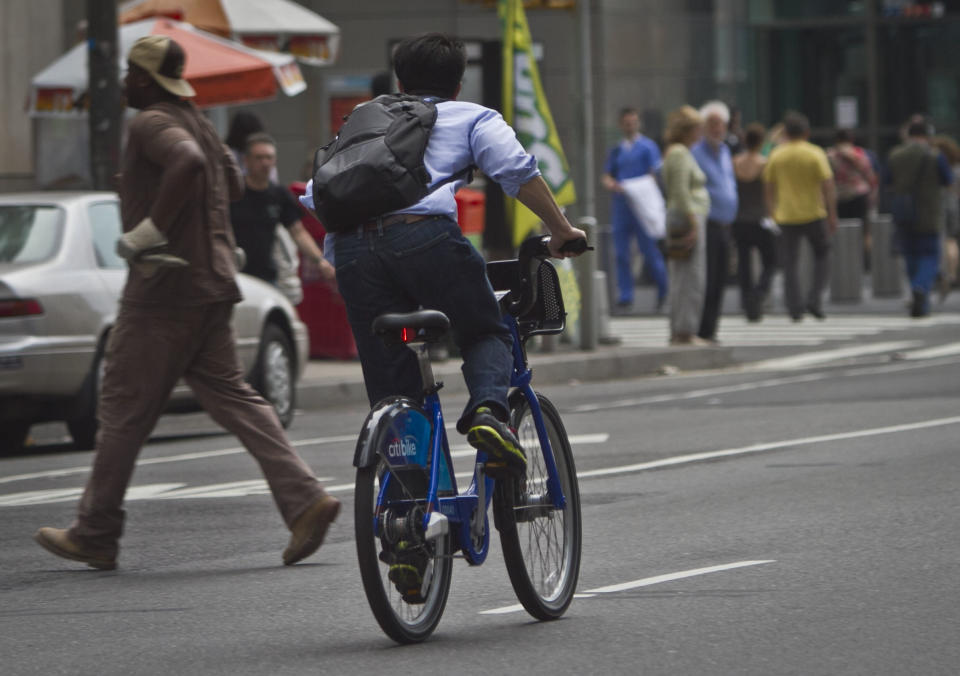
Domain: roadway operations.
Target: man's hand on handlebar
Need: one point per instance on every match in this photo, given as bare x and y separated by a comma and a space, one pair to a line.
557, 242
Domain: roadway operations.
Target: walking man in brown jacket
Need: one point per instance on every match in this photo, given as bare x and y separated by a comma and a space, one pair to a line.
174, 319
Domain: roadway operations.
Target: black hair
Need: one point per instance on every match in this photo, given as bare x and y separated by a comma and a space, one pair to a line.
381, 83
753, 136
258, 137
796, 125
920, 128
242, 125
628, 110
430, 65
844, 136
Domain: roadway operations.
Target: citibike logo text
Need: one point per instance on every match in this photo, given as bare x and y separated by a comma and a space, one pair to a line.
402, 448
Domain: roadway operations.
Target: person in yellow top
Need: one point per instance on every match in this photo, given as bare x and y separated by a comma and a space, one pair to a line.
802, 197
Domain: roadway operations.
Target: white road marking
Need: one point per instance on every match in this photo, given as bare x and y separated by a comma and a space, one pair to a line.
933, 352
757, 384
644, 582
808, 359
768, 446
254, 487
776, 330
199, 455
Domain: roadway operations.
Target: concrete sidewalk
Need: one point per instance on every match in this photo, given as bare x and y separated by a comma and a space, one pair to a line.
331, 383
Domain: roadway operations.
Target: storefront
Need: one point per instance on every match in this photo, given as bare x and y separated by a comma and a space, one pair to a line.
865, 64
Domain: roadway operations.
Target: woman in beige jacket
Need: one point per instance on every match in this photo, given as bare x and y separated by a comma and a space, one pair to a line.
687, 206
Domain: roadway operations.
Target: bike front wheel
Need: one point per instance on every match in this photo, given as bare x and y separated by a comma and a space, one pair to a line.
379, 530
541, 544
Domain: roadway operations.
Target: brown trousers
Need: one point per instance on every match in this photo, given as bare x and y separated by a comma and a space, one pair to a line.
148, 351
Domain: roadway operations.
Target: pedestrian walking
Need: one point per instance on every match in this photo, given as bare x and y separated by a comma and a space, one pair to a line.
856, 183
633, 157
243, 124
917, 172
688, 203
950, 257
801, 195
713, 157
753, 229
174, 318
266, 223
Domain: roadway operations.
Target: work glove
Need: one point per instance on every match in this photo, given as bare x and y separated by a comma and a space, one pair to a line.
144, 245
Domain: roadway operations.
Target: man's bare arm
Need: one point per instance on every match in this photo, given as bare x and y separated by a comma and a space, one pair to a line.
535, 195
829, 190
308, 247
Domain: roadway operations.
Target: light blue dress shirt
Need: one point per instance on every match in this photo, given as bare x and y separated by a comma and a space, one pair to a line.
466, 134
721, 181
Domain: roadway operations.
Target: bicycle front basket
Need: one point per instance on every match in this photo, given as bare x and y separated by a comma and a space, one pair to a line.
547, 315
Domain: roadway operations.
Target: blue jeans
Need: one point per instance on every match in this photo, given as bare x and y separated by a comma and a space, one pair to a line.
921, 252
429, 264
626, 227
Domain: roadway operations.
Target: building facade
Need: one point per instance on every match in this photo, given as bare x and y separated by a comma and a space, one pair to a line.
860, 63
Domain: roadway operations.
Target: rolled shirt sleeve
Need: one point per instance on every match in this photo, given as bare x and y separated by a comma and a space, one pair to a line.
498, 153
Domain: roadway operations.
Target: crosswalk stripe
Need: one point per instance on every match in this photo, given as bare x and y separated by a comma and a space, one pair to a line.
775, 331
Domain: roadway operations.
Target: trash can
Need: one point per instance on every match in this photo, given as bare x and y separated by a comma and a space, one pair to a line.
846, 261
885, 272
471, 211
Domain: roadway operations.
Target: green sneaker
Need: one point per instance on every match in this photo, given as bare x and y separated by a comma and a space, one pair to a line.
408, 563
497, 440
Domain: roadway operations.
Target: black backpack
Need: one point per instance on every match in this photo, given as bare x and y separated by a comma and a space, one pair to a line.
375, 164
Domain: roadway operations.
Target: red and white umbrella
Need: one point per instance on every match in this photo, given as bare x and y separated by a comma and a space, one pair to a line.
221, 71
276, 25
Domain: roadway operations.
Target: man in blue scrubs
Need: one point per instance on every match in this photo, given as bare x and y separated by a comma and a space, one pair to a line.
635, 156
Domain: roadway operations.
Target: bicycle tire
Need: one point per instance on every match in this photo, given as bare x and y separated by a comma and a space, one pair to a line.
402, 621
541, 545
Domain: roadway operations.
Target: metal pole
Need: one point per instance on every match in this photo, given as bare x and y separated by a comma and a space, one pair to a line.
103, 91
586, 266
587, 263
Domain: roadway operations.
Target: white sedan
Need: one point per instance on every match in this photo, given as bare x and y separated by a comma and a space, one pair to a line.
60, 285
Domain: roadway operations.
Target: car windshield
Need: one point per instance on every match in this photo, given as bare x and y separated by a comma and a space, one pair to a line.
29, 233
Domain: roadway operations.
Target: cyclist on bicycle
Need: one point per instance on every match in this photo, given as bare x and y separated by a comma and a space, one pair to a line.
419, 257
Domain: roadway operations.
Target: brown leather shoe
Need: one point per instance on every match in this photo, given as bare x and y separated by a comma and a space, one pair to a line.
57, 541
310, 528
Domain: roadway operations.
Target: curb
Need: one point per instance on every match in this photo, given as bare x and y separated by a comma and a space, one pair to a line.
559, 368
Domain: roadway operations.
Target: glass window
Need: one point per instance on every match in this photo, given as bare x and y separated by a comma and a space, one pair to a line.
907, 50
106, 228
808, 69
29, 233
768, 10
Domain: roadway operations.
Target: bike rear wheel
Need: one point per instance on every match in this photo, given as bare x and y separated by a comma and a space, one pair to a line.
377, 533
541, 544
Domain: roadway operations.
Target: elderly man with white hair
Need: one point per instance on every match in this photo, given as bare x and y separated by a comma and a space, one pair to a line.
713, 156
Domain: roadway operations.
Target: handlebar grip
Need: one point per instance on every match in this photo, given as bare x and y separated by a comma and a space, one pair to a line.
577, 246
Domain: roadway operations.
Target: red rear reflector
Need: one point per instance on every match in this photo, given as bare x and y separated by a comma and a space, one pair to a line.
20, 307
406, 335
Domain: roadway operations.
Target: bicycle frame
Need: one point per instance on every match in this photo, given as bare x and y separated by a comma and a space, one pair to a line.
456, 511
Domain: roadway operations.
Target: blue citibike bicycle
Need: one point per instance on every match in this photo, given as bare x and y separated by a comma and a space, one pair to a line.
408, 506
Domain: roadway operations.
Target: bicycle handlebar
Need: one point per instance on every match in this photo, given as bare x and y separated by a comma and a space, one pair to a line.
532, 252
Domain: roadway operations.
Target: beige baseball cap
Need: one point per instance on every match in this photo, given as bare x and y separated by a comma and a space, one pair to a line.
164, 59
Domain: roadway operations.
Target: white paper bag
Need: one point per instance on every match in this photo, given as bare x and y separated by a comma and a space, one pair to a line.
646, 202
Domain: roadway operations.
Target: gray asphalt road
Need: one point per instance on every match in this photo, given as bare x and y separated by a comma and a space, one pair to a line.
774, 520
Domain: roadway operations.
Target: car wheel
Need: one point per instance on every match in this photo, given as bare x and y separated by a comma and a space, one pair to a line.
274, 372
82, 425
13, 436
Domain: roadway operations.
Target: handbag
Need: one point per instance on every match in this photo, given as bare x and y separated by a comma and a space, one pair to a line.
678, 226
